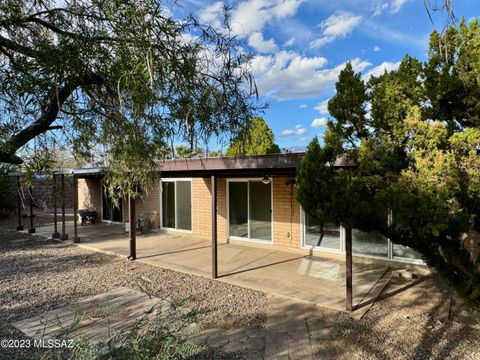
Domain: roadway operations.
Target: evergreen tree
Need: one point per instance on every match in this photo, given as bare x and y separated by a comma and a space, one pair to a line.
421, 171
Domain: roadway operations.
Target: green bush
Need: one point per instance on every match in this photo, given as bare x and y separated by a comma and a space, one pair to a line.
7, 191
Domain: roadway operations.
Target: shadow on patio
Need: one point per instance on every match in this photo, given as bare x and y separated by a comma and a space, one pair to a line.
314, 279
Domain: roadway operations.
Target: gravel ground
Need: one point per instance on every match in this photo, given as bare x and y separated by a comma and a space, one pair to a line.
39, 276
408, 320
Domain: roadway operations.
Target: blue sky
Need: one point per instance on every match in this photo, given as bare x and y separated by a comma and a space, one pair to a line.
299, 46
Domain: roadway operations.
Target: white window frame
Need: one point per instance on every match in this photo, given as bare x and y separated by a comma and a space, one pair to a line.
176, 229
249, 238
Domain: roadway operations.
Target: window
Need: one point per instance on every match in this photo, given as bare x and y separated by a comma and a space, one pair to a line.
404, 252
177, 204
325, 235
250, 210
330, 237
369, 243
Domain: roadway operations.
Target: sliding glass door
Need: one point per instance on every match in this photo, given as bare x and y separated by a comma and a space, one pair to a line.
176, 205
238, 209
250, 210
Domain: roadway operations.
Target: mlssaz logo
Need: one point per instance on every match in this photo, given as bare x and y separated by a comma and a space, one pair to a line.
53, 343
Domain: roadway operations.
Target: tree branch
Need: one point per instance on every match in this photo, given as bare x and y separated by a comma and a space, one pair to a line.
12, 45
48, 116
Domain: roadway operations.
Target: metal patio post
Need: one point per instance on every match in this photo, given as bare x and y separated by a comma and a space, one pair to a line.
213, 184
132, 228
31, 229
19, 205
55, 234
64, 235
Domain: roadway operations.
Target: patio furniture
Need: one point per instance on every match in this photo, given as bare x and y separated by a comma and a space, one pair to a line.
87, 215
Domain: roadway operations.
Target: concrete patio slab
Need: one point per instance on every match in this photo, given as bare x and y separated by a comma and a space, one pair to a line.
313, 279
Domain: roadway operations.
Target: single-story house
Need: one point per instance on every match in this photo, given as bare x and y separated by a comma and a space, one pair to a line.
255, 204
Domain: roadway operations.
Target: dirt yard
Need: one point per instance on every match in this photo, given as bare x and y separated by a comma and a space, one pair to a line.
410, 320
40, 219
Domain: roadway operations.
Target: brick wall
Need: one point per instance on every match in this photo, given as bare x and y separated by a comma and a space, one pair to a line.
222, 210
149, 207
43, 192
286, 214
201, 207
90, 195
286, 209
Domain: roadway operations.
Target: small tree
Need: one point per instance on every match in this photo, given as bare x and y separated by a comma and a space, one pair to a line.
254, 139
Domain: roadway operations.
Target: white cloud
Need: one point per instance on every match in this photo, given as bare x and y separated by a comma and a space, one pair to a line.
289, 75
299, 130
289, 42
397, 5
257, 41
213, 15
379, 7
251, 15
380, 69
322, 107
337, 26
319, 122
376, 48
302, 106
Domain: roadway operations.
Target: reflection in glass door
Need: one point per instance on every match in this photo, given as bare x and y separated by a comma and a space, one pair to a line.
238, 209
250, 210
111, 212
323, 235
177, 204
260, 199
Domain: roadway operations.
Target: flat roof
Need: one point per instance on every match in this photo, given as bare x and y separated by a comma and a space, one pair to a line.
222, 166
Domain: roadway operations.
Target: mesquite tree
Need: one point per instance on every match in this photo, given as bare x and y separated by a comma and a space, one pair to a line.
114, 80
417, 173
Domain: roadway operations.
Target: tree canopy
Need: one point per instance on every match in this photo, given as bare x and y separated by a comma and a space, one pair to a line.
416, 178
115, 79
256, 138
